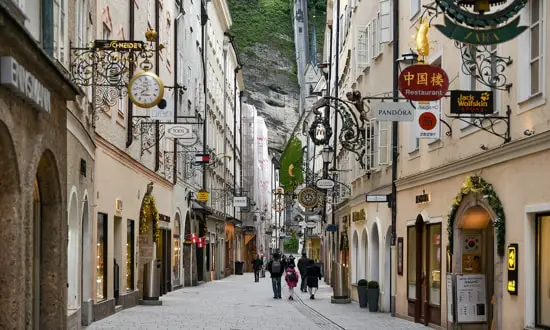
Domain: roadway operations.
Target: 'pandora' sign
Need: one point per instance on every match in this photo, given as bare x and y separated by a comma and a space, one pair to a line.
25, 84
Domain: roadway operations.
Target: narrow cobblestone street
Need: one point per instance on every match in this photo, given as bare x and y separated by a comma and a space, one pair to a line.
239, 303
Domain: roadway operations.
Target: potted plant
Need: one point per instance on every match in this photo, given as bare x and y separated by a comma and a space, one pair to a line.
373, 294
362, 293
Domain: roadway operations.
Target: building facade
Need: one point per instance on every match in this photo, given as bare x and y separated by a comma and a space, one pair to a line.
34, 143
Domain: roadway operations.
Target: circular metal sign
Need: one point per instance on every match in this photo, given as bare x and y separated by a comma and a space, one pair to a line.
324, 184
311, 224
308, 197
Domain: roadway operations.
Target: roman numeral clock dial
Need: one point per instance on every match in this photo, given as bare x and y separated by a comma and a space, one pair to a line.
145, 89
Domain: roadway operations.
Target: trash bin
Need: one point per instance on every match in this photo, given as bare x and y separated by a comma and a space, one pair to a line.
151, 280
239, 267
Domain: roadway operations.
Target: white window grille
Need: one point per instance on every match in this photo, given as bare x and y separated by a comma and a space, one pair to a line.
385, 21
363, 59
370, 140
374, 39
384, 142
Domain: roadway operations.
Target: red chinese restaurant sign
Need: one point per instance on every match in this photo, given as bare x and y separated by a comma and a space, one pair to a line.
423, 82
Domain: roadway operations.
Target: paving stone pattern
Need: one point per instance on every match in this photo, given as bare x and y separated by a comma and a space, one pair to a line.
238, 302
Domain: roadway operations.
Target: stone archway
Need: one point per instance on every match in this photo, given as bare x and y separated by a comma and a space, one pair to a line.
148, 234
176, 263
355, 261
365, 255
375, 254
188, 251
12, 292
86, 261
49, 228
73, 255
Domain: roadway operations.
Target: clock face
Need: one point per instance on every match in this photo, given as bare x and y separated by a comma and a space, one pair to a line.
308, 197
146, 90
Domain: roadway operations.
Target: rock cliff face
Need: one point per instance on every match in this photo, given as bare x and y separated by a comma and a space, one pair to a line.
265, 37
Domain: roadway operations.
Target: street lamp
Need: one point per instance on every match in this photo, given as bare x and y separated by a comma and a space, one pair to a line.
327, 154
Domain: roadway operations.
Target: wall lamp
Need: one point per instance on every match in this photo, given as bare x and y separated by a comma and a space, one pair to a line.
484, 147
529, 132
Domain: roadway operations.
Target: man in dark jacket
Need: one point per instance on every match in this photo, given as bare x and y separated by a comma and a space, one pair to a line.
313, 274
257, 266
302, 265
276, 268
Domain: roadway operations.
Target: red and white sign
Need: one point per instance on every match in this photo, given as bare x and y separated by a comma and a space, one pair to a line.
201, 242
427, 118
202, 158
423, 82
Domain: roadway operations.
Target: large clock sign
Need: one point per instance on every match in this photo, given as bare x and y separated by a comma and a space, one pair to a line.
308, 197
474, 22
145, 89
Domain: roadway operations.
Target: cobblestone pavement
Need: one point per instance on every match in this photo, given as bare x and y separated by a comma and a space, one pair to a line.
239, 303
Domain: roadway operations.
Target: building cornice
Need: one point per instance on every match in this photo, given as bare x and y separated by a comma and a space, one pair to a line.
224, 14
76, 128
504, 153
130, 162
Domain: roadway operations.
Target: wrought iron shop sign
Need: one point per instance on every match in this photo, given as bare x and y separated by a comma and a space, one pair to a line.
308, 197
477, 25
423, 82
119, 45
472, 102
513, 269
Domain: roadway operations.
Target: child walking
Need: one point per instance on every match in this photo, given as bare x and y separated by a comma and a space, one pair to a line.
291, 278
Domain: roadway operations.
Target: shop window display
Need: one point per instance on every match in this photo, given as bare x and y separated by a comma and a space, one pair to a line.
411, 262
130, 246
543, 272
176, 256
435, 264
101, 257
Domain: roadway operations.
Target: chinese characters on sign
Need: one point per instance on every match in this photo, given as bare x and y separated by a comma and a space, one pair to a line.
472, 102
427, 120
423, 83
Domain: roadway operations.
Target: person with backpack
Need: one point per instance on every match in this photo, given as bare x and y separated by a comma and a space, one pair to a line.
276, 268
291, 279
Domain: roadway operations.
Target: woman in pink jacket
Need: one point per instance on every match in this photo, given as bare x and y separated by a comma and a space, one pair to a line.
291, 278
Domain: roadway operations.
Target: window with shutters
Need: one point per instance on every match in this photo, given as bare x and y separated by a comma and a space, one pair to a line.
413, 141
59, 30
362, 50
168, 41
370, 140
384, 142
81, 15
385, 21
375, 41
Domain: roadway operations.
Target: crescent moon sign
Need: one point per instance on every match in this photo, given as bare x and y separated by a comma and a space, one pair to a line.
290, 168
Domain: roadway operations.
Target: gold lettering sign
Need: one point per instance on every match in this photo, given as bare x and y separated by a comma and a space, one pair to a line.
359, 216
119, 45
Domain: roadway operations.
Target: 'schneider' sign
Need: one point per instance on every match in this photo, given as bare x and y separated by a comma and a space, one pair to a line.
472, 102
119, 45
423, 82
394, 111
481, 37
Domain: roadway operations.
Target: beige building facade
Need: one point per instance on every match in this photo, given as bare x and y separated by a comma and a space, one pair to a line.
464, 199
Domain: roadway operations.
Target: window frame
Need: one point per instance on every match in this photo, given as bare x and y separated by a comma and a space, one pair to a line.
104, 228
540, 58
130, 259
538, 259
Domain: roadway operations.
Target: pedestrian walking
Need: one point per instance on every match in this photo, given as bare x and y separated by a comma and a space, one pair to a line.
257, 266
313, 273
302, 265
275, 268
291, 279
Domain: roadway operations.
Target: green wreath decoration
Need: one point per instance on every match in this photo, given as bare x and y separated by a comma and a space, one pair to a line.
149, 208
477, 184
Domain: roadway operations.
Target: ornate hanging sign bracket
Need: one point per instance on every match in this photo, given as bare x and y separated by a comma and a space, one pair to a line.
489, 123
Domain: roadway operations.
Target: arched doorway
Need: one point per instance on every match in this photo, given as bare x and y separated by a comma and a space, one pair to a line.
365, 256
474, 250
387, 272
176, 262
86, 260
187, 252
48, 227
375, 254
12, 291
73, 253
356, 260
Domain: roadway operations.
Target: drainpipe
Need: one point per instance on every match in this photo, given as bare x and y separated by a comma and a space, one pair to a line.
241, 93
204, 57
224, 123
130, 121
177, 91
157, 71
395, 143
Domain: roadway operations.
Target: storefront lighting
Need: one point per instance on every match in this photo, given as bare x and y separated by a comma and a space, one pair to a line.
327, 154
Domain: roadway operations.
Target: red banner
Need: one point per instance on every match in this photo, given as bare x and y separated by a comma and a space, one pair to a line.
423, 82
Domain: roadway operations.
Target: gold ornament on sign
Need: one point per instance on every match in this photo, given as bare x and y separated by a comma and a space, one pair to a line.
421, 37
151, 35
290, 168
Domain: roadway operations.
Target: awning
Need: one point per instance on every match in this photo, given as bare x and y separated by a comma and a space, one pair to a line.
201, 208
248, 238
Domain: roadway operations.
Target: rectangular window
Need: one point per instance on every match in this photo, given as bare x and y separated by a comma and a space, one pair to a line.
543, 272
371, 145
385, 21
414, 142
101, 258
536, 32
362, 48
374, 38
384, 142
106, 32
411, 262
415, 7
168, 42
122, 105
435, 264
130, 253
80, 22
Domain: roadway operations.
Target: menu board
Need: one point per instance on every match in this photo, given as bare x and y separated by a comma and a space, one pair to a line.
471, 298
450, 298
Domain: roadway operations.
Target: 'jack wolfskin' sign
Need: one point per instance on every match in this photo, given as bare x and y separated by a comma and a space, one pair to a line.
423, 82
472, 102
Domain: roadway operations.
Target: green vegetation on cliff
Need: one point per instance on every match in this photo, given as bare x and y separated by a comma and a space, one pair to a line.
266, 22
